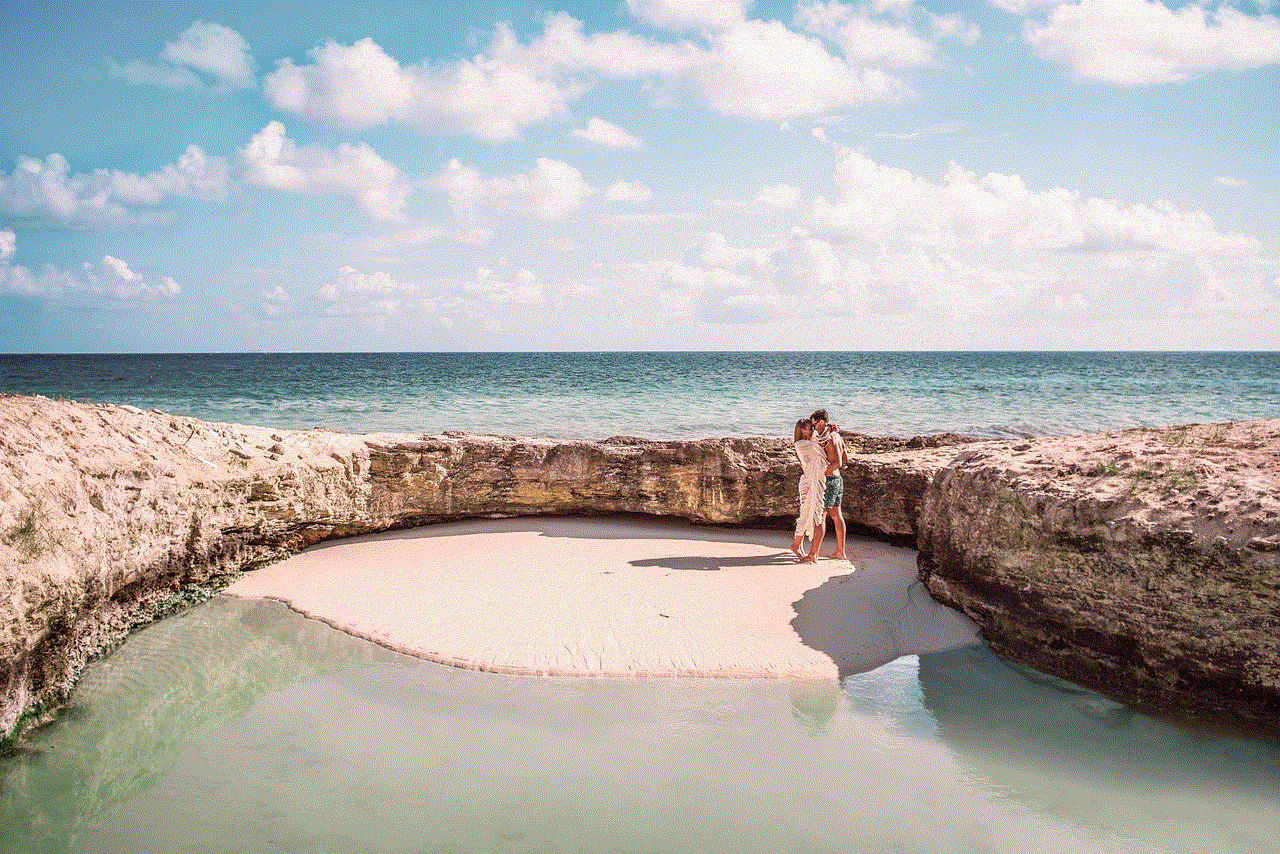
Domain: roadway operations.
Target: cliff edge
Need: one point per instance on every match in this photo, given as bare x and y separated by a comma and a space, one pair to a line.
1144, 564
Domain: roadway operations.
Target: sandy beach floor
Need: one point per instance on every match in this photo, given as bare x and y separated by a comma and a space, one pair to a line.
573, 596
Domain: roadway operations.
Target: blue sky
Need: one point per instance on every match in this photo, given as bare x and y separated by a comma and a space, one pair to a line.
639, 174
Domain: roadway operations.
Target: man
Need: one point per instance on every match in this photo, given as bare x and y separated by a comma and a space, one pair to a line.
833, 496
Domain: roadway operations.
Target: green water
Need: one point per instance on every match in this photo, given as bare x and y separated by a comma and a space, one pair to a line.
241, 726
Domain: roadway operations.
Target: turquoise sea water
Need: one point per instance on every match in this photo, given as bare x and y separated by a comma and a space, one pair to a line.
243, 727
672, 395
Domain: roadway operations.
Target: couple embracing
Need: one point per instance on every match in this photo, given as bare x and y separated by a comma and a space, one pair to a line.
821, 451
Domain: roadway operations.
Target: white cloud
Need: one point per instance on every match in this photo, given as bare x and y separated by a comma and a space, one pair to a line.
357, 86
796, 277
954, 27
892, 206
1025, 7
45, 190
778, 196
1140, 43
632, 219
804, 277
49, 283
111, 278
360, 86
276, 301
525, 289
550, 191
762, 70
967, 249
624, 191
923, 133
353, 292
215, 50
893, 39
1226, 181
605, 133
1228, 289
683, 15
749, 68
138, 73
713, 251
863, 39
273, 160
419, 234
564, 48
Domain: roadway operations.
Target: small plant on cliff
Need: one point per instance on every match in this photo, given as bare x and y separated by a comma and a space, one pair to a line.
1177, 437
1104, 468
1217, 437
27, 537
1180, 480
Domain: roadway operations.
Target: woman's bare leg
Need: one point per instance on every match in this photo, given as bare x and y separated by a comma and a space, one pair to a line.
819, 532
795, 547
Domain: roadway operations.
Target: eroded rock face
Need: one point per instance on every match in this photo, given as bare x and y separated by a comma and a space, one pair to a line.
1144, 564
109, 513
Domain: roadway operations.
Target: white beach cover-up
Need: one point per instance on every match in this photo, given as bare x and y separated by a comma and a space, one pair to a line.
813, 466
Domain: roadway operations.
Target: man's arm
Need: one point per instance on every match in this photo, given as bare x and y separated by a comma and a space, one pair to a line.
833, 456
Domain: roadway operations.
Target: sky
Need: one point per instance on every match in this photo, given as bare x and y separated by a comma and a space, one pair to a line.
639, 175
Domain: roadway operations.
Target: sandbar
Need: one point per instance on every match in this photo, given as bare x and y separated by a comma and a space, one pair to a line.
617, 596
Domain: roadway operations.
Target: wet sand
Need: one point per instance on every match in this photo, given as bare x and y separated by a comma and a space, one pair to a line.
572, 596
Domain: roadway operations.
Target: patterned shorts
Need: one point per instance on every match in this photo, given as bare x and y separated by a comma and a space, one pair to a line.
834, 493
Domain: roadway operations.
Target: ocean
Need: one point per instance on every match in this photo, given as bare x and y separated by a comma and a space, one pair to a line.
664, 395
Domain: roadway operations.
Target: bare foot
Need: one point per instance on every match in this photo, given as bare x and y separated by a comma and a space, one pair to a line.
795, 550
809, 559
837, 556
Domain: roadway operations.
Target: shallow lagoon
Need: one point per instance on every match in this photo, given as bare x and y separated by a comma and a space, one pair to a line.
242, 726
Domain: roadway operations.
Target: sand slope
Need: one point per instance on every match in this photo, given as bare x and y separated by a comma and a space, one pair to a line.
576, 596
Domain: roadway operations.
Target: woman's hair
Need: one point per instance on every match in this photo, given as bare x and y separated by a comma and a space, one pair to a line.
800, 425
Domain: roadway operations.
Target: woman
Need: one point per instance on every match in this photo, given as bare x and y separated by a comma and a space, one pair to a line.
813, 463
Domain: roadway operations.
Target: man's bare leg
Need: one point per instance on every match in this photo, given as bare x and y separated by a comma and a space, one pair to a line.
837, 519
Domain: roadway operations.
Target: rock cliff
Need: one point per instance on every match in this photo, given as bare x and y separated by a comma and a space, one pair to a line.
110, 515
1144, 564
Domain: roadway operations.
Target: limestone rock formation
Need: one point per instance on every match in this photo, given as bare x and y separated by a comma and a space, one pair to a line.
1144, 564
108, 513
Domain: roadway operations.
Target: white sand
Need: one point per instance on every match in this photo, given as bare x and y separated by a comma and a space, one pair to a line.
572, 596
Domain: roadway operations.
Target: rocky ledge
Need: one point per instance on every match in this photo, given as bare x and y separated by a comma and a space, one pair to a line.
1142, 563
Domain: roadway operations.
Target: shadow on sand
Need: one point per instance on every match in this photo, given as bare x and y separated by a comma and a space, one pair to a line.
878, 612
711, 564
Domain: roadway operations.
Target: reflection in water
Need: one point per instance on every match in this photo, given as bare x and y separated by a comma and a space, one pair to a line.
814, 703
241, 726
133, 713
1068, 751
